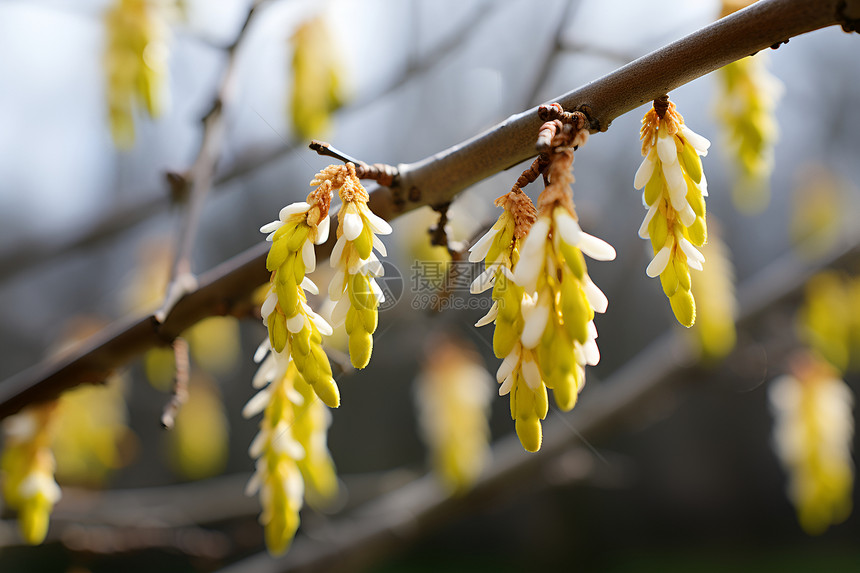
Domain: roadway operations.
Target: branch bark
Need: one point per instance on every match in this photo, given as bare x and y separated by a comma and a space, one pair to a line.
438, 179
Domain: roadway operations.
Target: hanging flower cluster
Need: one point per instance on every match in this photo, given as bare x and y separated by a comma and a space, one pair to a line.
317, 72
717, 308
746, 106
813, 433
453, 399
674, 192
829, 322
544, 299
354, 285
292, 457
291, 454
27, 467
135, 62
295, 330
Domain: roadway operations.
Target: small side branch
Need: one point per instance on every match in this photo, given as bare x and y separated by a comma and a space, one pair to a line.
385, 175
180, 383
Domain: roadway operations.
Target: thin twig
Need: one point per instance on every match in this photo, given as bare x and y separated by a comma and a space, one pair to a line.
198, 180
180, 383
436, 181
385, 175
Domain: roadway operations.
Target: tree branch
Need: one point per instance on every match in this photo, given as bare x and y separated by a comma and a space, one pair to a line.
438, 179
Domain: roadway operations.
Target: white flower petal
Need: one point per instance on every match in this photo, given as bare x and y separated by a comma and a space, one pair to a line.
374, 288
268, 305
266, 371
296, 323
338, 313
292, 209
535, 324
479, 250
531, 374
595, 296
643, 228
645, 171
379, 246
592, 330
337, 251
666, 150
377, 224
691, 251
597, 249
323, 230
677, 185
258, 444
337, 285
508, 364
535, 241
688, 217
295, 397
271, 227
310, 286
659, 262
507, 384
372, 267
352, 226
262, 350
568, 228
701, 144
258, 403
253, 485
309, 256
484, 281
592, 353
321, 324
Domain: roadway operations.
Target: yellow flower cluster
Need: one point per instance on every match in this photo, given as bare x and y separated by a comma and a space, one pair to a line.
136, 63
829, 321
453, 399
544, 299
813, 434
94, 429
27, 467
316, 69
674, 192
717, 308
746, 106
353, 285
295, 330
291, 453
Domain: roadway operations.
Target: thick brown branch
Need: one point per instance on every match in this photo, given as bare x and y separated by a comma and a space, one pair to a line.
438, 179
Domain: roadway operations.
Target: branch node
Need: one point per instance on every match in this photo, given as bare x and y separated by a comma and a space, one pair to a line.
179, 187
661, 104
